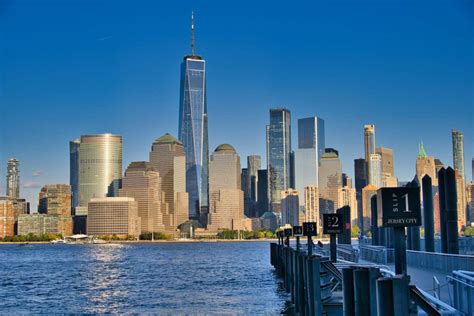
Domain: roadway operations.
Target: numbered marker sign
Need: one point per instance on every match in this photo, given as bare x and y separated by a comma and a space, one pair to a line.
297, 231
309, 229
288, 232
398, 207
332, 224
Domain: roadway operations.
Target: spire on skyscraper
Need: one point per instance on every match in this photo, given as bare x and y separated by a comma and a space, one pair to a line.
192, 33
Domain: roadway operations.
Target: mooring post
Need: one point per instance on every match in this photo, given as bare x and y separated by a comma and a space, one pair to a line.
333, 247
400, 250
348, 306
385, 304
361, 292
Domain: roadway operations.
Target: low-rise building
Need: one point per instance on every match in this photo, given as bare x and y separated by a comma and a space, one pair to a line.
39, 224
113, 216
7, 220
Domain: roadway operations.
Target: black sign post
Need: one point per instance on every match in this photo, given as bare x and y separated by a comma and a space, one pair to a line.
400, 208
310, 230
297, 232
333, 225
288, 232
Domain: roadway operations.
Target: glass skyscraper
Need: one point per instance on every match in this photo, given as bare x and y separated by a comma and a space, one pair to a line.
193, 131
311, 145
278, 155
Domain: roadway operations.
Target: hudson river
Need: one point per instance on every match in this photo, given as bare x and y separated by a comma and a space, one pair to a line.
165, 278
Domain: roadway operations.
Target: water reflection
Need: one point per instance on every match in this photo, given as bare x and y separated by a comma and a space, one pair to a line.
104, 288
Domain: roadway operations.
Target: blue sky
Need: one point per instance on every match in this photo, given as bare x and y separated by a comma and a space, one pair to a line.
79, 67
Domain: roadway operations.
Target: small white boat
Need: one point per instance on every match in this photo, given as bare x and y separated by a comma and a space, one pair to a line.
58, 241
98, 241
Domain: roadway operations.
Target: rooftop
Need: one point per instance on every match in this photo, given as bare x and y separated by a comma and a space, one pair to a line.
225, 147
167, 139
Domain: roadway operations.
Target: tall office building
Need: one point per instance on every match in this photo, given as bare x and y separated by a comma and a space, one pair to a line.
226, 207
54, 200
167, 156
98, 168
113, 216
193, 131
369, 146
367, 193
13, 178
311, 144
143, 183
74, 171
262, 188
311, 204
360, 181
438, 165
388, 173
330, 180
253, 165
458, 151
290, 207
347, 197
278, 155
375, 170
458, 163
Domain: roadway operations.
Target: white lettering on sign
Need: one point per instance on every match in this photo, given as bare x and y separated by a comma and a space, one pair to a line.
401, 221
395, 203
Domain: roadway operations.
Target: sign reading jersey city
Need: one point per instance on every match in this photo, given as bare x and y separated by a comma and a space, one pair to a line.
398, 207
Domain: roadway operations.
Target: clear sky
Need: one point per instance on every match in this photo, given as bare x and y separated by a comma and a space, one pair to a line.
81, 66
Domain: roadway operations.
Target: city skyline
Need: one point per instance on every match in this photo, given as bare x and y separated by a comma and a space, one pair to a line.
50, 163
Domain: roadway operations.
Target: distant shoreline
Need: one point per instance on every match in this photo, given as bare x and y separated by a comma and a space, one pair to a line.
145, 241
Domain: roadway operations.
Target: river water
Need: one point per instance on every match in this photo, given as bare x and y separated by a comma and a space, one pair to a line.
161, 278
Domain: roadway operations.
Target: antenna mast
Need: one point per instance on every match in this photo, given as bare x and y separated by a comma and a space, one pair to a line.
192, 33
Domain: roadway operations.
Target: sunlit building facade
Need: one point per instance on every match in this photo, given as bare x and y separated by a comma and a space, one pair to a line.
290, 207
311, 204
13, 178
330, 180
167, 156
278, 155
98, 167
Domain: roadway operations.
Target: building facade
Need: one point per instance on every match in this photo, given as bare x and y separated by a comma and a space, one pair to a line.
369, 146
311, 204
13, 178
193, 131
290, 207
375, 170
167, 156
39, 224
226, 209
143, 183
347, 197
113, 216
7, 219
330, 180
97, 165
262, 188
367, 193
278, 155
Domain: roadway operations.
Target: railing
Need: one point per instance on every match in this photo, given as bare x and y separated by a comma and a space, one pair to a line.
347, 252
430, 304
441, 262
376, 254
462, 283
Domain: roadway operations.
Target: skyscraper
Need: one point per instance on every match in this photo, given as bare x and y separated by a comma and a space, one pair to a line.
13, 178
369, 146
226, 207
253, 165
193, 130
311, 144
98, 167
74, 171
168, 158
289, 207
330, 180
143, 183
311, 204
388, 173
360, 181
278, 155
262, 188
55, 202
458, 151
375, 170
347, 197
